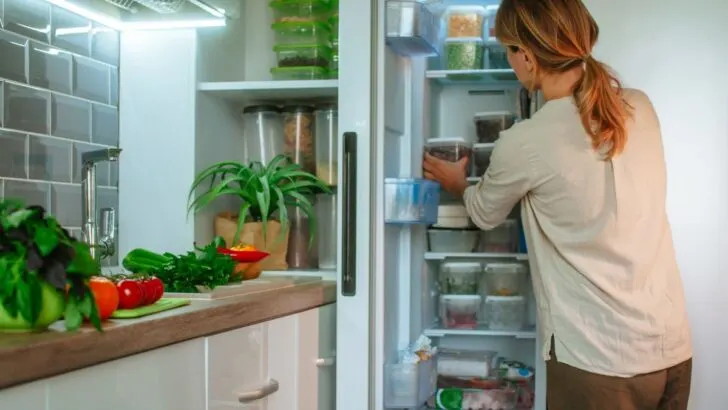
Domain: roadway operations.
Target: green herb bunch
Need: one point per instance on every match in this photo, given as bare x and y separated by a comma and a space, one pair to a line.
263, 189
34, 248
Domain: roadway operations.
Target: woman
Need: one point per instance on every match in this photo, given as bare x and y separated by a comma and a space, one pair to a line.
589, 171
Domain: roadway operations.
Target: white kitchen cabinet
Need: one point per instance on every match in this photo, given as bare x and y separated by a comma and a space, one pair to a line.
169, 378
31, 396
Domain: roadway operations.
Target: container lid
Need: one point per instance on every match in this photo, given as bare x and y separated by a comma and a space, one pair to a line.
507, 268
489, 115
317, 4
448, 141
505, 299
327, 107
465, 9
478, 40
454, 210
296, 47
465, 297
462, 265
300, 69
300, 27
484, 146
297, 109
251, 109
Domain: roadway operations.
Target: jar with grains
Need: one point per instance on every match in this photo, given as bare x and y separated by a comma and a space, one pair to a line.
327, 164
465, 21
298, 136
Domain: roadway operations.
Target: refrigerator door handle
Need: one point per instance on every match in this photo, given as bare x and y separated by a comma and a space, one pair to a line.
348, 223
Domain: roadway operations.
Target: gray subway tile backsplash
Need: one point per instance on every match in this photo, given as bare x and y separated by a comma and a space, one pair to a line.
114, 97
50, 68
71, 118
32, 193
102, 169
26, 108
105, 45
29, 18
105, 125
12, 56
66, 204
12, 154
91, 79
70, 31
49, 159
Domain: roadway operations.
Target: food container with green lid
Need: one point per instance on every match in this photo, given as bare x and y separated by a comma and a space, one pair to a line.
465, 53
334, 24
301, 32
303, 55
334, 66
300, 10
334, 74
298, 73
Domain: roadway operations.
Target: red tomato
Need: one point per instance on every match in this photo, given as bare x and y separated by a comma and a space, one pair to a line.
130, 294
105, 295
158, 286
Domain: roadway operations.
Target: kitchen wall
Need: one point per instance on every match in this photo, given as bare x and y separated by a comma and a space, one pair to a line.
59, 87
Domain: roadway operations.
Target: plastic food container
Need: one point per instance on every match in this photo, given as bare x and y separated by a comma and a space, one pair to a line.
298, 133
457, 241
411, 29
411, 384
263, 132
299, 10
459, 311
494, 399
501, 239
488, 125
505, 312
465, 53
505, 279
334, 24
465, 21
301, 32
327, 125
490, 25
410, 201
302, 251
298, 73
453, 217
481, 158
448, 149
460, 278
496, 59
303, 55
334, 74
465, 363
334, 64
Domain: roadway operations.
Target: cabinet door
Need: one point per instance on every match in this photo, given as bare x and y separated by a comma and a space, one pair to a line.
31, 396
236, 367
169, 378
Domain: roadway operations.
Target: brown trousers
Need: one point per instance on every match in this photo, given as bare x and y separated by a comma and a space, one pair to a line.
570, 388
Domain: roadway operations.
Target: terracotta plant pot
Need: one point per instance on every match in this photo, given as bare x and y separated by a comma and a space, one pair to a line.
54, 304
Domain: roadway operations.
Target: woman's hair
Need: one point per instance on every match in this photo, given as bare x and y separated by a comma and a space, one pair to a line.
560, 34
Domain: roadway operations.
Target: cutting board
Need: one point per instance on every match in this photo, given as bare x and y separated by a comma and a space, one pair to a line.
161, 306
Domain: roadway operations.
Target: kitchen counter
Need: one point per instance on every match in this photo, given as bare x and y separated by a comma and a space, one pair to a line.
31, 356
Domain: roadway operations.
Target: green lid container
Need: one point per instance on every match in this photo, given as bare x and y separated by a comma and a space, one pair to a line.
302, 32
298, 73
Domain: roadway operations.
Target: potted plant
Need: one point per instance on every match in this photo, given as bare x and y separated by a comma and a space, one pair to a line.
265, 193
44, 272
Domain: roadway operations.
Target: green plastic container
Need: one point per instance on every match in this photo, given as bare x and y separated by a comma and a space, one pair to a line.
303, 55
300, 10
464, 54
334, 24
334, 74
298, 73
301, 32
334, 66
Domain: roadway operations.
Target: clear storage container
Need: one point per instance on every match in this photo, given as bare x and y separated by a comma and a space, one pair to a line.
465, 363
464, 53
334, 66
488, 125
263, 133
303, 55
334, 24
465, 21
460, 241
326, 230
300, 10
448, 149
490, 25
481, 158
409, 385
460, 278
298, 73
301, 32
453, 216
459, 311
410, 201
501, 239
327, 125
302, 249
491, 399
298, 133
496, 57
505, 279
505, 312
412, 30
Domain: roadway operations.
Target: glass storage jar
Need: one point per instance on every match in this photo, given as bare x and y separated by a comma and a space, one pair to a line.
327, 125
298, 133
327, 230
302, 249
262, 133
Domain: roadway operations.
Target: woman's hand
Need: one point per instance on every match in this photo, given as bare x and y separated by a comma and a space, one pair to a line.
452, 176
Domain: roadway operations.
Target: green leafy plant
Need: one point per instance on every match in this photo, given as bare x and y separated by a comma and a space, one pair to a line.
263, 189
35, 249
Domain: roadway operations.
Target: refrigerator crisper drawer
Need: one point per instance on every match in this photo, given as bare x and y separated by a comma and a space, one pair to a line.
410, 201
412, 30
410, 385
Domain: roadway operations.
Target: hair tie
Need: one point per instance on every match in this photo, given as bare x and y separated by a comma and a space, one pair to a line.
586, 58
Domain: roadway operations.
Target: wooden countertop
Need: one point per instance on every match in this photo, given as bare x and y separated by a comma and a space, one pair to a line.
32, 356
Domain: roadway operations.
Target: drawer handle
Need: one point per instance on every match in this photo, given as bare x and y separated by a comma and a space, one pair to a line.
327, 362
270, 388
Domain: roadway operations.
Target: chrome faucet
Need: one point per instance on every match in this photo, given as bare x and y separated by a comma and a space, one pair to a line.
103, 242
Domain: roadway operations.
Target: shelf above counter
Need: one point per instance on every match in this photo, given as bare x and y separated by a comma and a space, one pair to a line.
262, 91
441, 256
496, 79
481, 330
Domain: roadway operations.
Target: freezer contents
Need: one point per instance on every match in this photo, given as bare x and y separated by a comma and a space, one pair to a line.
497, 57
501, 239
301, 32
463, 54
460, 311
299, 10
457, 241
465, 363
410, 201
303, 55
448, 149
453, 216
459, 399
298, 73
505, 312
413, 379
488, 125
460, 278
327, 122
505, 279
298, 132
465, 21
481, 158
262, 132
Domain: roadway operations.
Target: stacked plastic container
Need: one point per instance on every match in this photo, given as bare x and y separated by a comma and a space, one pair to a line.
504, 295
303, 39
464, 46
460, 301
334, 23
327, 166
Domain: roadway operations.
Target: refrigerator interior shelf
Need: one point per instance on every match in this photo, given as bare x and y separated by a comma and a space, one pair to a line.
270, 91
500, 78
441, 256
481, 330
